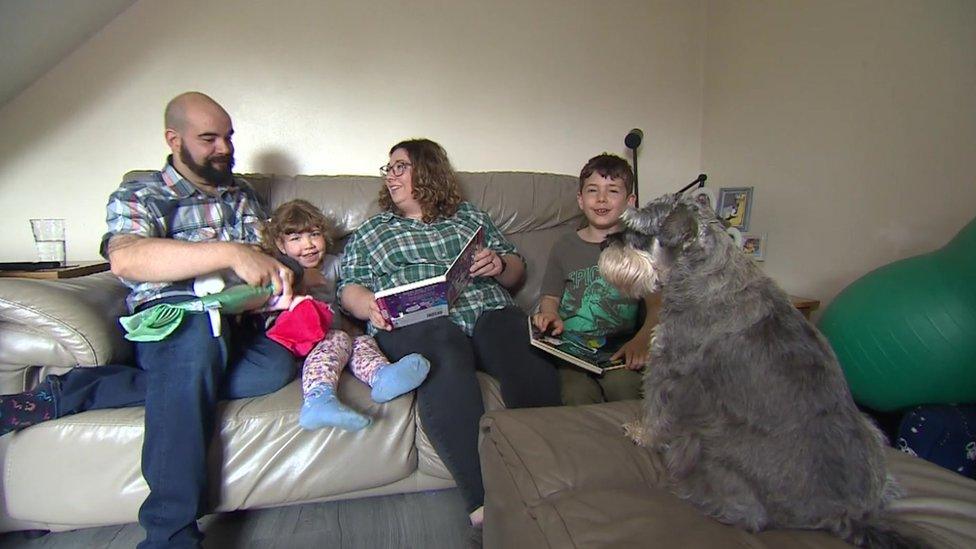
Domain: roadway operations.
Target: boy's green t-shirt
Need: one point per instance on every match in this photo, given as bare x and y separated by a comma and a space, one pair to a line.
589, 306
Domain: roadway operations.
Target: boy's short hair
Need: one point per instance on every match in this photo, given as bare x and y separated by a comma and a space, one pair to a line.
611, 166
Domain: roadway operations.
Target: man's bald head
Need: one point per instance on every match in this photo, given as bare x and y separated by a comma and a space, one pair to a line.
181, 107
200, 132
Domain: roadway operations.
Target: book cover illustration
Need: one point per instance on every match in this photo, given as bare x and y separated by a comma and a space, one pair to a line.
577, 352
432, 297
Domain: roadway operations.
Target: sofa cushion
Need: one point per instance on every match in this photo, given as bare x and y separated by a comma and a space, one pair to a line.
517, 201
63, 323
532, 209
264, 458
568, 477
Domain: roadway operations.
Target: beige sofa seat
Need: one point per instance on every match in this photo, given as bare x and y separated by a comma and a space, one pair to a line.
84, 470
568, 477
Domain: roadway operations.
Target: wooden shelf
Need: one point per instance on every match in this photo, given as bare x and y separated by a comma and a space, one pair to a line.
73, 270
805, 305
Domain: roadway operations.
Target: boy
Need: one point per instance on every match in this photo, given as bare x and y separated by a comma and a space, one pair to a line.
578, 301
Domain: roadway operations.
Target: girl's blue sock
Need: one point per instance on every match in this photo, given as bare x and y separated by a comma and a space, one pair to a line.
323, 409
400, 377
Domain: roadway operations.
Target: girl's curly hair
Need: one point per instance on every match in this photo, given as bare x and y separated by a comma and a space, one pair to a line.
294, 217
435, 184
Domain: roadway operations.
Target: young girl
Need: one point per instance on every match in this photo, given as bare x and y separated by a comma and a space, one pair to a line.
299, 230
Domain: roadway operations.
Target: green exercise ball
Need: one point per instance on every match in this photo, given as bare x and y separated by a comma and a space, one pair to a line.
905, 334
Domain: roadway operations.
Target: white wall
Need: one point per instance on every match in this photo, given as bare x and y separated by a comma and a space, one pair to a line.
854, 121
328, 86
36, 34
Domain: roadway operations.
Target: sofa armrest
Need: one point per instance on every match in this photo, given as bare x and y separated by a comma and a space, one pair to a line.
568, 477
62, 323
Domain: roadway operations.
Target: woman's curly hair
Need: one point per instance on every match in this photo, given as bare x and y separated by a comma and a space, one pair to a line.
295, 216
435, 184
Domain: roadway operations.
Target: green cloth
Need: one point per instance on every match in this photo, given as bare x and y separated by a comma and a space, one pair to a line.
159, 321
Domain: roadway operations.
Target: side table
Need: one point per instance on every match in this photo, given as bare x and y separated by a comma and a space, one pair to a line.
805, 305
72, 270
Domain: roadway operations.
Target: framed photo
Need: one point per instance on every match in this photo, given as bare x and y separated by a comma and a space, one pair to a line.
754, 245
734, 205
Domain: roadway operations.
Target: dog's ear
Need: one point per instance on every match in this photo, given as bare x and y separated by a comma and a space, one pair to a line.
614, 239
640, 220
678, 227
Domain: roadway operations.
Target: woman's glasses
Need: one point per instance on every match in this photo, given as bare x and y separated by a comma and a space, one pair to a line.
396, 169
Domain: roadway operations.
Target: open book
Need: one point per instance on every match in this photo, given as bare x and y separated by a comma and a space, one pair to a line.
576, 353
431, 297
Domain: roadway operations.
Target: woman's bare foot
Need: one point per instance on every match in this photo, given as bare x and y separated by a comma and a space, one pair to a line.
477, 517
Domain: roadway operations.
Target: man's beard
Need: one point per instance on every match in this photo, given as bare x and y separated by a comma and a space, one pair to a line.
207, 171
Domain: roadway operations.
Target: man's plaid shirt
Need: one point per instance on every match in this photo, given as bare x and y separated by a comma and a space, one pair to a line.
388, 250
165, 205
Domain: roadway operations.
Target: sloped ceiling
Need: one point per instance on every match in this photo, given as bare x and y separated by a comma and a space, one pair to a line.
35, 35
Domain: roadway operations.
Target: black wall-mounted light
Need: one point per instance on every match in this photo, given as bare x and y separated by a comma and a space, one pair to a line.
699, 181
633, 140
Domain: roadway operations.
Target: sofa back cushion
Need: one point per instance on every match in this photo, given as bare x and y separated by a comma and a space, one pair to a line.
532, 209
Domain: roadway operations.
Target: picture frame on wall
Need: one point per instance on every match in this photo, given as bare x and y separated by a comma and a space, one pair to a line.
754, 245
734, 206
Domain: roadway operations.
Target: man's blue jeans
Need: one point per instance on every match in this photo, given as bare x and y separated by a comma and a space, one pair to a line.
180, 380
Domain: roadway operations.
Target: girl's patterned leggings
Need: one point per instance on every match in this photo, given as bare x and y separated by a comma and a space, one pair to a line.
326, 361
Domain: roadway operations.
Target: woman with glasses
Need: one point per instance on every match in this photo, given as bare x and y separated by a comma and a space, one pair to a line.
423, 226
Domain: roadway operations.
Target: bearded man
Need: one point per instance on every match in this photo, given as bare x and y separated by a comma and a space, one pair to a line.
165, 228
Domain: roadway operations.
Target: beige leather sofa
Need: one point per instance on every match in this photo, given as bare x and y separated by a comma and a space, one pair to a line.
567, 477
84, 470
555, 477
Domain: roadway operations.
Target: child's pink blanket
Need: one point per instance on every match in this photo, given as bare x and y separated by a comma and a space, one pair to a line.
301, 328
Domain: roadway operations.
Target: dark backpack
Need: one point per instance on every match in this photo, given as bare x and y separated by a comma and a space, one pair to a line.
942, 434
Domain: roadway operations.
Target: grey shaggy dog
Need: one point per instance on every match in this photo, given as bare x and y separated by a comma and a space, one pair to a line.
744, 398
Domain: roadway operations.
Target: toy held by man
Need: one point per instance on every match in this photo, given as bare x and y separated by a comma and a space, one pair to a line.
214, 298
746, 403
